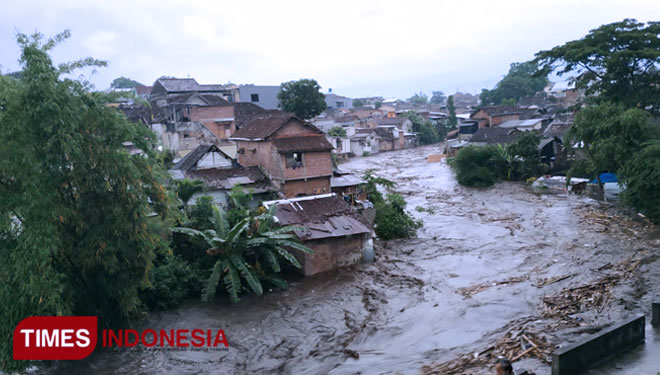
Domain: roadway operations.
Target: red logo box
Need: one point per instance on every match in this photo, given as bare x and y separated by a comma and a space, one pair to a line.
55, 337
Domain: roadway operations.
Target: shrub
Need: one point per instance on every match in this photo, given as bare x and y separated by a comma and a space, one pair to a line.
171, 280
392, 220
641, 176
479, 166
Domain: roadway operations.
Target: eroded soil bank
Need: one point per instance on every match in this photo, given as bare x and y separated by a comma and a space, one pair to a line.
484, 262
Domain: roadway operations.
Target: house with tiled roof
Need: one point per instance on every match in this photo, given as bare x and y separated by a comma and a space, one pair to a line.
220, 173
294, 154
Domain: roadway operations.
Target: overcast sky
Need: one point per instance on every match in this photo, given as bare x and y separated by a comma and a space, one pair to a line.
386, 48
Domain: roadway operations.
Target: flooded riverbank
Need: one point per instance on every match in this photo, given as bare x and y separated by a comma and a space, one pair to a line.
482, 260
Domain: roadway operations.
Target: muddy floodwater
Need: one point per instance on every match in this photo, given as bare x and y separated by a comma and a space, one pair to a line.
483, 260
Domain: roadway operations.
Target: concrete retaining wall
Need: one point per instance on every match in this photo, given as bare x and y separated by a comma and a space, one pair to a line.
574, 359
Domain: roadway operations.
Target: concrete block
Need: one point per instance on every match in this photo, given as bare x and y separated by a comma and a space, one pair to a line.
575, 358
655, 321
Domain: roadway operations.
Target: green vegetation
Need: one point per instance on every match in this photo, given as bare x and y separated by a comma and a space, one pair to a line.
392, 220
302, 97
522, 80
124, 83
479, 166
617, 62
523, 157
438, 97
250, 250
609, 135
641, 176
419, 98
428, 134
453, 122
617, 69
483, 166
75, 207
337, 131
358, 103
186, 188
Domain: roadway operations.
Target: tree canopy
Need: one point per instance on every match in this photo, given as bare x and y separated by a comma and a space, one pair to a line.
75, 205
337, 131
521, 81
453, 121
641, 176
609, 134
124, 83
302, 97
438, 97
617, 62
423, 127
419, 98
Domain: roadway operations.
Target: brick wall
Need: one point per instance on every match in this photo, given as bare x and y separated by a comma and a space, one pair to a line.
208, 115
313, 186
314, 164
496, 120
330, 253
261, 154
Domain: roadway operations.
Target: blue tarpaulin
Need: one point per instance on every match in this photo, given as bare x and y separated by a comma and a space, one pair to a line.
606, 177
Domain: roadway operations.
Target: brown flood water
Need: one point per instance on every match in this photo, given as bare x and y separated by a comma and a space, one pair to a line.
404, 311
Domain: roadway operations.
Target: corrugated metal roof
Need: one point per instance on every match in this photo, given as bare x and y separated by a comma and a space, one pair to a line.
322, 216
346, 180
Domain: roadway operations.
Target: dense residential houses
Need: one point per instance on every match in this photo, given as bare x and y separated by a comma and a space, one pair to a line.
294, 154
232, 136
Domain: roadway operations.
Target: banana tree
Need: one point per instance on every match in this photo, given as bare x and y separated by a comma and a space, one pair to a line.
243, 248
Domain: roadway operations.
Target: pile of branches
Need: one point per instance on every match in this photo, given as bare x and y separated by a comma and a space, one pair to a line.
574, 300
589, 296
469, 291
518, 342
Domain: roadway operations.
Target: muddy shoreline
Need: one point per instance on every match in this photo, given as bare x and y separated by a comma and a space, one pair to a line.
484, 261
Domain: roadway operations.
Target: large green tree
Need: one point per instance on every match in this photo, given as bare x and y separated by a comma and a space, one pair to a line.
438, 97
419, 98
302, 97
609, 134
522, 80
74, 238
641, 176
124, 83
617, 62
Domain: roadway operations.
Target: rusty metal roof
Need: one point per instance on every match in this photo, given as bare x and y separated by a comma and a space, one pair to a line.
324, 216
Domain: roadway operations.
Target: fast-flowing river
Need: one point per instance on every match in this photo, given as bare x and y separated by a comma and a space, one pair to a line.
404, 310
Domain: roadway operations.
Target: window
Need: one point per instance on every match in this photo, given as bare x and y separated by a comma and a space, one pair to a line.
294, 160
340, 104
254, 98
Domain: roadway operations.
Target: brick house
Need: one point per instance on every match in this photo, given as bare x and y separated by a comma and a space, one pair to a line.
293, 153
336, 233
225, 120
492, 116
220, 174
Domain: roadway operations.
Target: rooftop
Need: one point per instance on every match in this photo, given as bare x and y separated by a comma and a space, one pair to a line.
321, 216
265, 125
496, 135
302, 143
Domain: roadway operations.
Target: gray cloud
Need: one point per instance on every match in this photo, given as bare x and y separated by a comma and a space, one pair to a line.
388, 48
